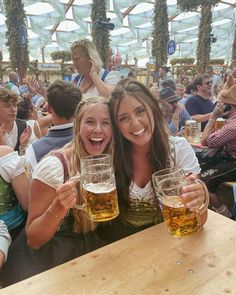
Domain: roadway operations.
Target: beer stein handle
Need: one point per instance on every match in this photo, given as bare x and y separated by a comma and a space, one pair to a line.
76, 179
206, 203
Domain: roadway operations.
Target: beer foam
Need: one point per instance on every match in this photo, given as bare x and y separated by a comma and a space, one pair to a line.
99, 187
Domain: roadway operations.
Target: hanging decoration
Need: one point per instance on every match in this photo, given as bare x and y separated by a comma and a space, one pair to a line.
17, 39
187, 5
233, 57
100, 29
160, 33
204, 40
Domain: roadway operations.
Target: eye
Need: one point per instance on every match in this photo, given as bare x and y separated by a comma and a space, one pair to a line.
106, 123
90, 122
140, 110
123, 119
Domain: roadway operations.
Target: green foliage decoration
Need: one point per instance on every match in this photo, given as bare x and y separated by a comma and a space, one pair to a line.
204, 45
233, 57
160, 32
185, 60
62, 55
100, 36
187, 5
15, 17
216, 61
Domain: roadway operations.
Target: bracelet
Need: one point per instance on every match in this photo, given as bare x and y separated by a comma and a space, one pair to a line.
51, 213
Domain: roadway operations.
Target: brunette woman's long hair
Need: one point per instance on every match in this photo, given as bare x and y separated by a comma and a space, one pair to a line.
159, 151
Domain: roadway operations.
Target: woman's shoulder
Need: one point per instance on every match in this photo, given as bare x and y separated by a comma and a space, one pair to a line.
5, 149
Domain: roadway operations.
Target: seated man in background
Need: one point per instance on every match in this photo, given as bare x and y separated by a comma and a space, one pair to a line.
200, 106
174, 112
62, 99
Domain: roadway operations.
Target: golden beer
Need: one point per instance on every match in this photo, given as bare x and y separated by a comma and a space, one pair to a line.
219, 123
187, 127
180, 220
101, 201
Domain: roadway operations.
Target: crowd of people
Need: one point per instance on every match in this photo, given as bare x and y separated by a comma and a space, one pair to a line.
99, 113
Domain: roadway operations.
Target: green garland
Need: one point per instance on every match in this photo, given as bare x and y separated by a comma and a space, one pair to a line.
185, 60
204, 46
187, 5
19, 56
61, 55
100, 36
234, 46
160, 33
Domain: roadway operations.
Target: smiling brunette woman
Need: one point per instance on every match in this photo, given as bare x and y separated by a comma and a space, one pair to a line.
142, 147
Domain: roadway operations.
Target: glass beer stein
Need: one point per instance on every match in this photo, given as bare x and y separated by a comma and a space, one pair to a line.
179, 219
219, 123
97, 188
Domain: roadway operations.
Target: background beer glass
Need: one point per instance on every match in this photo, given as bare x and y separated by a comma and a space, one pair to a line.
179, 219
195, 133
219, 123
187, 127
97, 187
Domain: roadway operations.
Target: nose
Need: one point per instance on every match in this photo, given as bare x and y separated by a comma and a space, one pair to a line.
97, 128
134, 120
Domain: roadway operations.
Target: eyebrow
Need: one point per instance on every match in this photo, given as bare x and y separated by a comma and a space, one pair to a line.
141, 105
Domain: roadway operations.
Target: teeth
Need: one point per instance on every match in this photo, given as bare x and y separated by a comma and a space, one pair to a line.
97, 139
139, 132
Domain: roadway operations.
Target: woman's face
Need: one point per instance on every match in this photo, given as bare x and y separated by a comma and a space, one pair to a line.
81, 60
135, 121
96, 130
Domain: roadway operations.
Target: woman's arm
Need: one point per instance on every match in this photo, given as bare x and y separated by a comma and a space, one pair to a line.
47, 208
21, 186
103, 88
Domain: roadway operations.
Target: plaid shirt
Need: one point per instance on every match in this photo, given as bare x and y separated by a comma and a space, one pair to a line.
226, 136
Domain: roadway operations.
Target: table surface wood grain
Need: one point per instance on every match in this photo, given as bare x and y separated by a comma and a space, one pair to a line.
149, 262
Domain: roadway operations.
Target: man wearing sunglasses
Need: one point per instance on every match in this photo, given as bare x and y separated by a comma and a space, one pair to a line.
200, 105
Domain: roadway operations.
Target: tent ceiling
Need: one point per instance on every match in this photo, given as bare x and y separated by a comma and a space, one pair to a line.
55, 24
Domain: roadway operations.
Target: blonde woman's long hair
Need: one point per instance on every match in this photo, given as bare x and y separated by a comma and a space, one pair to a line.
82, 223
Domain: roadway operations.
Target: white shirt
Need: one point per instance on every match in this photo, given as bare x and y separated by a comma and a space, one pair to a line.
112, 78
185, 159
11, 137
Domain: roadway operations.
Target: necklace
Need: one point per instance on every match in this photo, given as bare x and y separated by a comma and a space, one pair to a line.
84, 89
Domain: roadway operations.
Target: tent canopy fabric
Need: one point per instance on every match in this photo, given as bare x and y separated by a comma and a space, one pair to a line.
55, 24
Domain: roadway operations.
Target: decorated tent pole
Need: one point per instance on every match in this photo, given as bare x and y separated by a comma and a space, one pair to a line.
160, 33
16, 34
100, 29
233, 57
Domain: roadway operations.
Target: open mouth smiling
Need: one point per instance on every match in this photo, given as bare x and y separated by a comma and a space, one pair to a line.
139, 133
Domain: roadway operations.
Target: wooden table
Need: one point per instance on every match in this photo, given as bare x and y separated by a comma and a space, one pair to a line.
150, 262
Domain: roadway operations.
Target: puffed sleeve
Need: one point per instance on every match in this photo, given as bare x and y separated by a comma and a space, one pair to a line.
185, 156
11, 165
5, 239
49, 171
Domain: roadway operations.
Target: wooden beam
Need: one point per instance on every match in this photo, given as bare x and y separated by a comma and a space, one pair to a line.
231, 4
69, 4
128, 10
